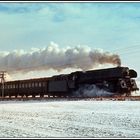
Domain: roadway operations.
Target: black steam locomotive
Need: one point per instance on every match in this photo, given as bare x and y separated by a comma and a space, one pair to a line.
118, 80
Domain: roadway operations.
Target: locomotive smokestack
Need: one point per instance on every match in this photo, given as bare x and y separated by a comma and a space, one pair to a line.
57, 58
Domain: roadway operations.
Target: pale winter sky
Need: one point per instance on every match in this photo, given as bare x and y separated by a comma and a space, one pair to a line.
111, 26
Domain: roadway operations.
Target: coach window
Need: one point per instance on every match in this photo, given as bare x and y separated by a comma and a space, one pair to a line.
32, 84
16, 86
39, 84
13, 85
23, 85
36, 84
19, 85
6, 87
29, 84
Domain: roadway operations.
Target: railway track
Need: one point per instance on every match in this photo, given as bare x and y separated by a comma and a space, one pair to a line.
119, 98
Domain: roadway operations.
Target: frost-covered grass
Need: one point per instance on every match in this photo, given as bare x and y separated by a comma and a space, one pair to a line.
42, 119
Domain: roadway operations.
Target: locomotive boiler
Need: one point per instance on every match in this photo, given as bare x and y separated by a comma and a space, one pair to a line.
118, 80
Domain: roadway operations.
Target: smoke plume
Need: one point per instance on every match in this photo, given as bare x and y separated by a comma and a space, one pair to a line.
57, 58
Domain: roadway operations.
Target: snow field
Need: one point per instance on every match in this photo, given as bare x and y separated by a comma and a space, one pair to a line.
91, 119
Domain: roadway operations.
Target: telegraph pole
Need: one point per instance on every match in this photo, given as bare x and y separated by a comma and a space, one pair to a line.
2, 77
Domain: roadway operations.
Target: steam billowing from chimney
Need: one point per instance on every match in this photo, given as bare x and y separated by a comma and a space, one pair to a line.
57, 58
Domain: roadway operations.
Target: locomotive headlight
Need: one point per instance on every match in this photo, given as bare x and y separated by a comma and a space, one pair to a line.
127, 72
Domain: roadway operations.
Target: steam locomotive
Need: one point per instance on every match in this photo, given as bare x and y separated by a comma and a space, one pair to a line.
118, 80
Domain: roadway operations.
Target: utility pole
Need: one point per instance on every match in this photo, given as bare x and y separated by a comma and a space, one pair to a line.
2, 77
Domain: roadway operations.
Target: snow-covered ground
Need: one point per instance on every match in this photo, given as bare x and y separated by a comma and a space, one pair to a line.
43, 119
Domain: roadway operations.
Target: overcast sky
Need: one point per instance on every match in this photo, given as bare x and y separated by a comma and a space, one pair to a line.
113, 27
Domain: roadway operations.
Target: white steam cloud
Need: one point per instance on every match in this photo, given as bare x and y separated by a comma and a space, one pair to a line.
57, 58
91, 91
